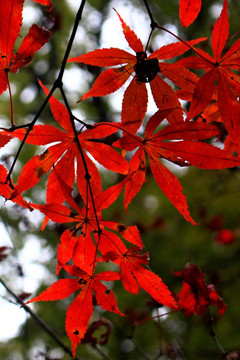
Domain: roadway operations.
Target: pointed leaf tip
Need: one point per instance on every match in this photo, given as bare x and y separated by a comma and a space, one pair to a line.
188, 11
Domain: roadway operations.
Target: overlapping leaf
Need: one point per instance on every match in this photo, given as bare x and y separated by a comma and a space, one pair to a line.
80, 311
6, 191
134, 275
64, 153
10, 25
184, 149
224, 70
88, 220
195, 295
146, 69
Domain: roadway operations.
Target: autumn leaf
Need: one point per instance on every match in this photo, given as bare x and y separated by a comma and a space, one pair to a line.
189, 10
143, 68
195, 295
109, 235
229, 109
45, 3
178, 143
220, 68
6, 190
63, 154
11, 22
134, 275
80, 311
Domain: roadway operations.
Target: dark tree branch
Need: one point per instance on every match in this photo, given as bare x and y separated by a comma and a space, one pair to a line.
78, 18
30, 127
154, 25
153, 22
38, 320
87, 174
57, 84
215, 338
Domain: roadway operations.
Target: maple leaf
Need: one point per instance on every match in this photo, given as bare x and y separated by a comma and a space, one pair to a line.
218, 68
45, 3
135, 276
6, 191
82, 248
195, 295
146, 69
80, 311
63, 154
10, 25
4, 139
184, 149
189, 10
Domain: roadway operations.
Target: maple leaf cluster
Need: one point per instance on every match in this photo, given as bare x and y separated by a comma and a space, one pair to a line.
196, 296
169, 136
11, 22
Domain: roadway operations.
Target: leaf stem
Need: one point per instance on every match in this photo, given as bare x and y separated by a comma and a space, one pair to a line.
13, 128
215, 338
70, 42
38, 319
11, 100
30, 127
87, 174
149, 38
184, 42
153, 22
57, 84
101, 352
139, 349
155, 25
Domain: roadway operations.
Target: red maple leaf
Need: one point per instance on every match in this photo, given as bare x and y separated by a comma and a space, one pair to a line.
63, 154
6, 191
135, 276
45, 3
146, 69
218, 68
10, 25
89, 221
195, 295
189, 10
80, 311
184, 149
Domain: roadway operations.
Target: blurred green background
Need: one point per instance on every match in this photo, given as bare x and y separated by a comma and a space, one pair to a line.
213, 198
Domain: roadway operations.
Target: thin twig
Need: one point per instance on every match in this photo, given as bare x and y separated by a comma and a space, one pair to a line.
30, 127
87, 174
215, 338
153, 22
140, 349
149, 38
57, 84
38, 320
155, 25
101, 352
70, 42
15, 127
